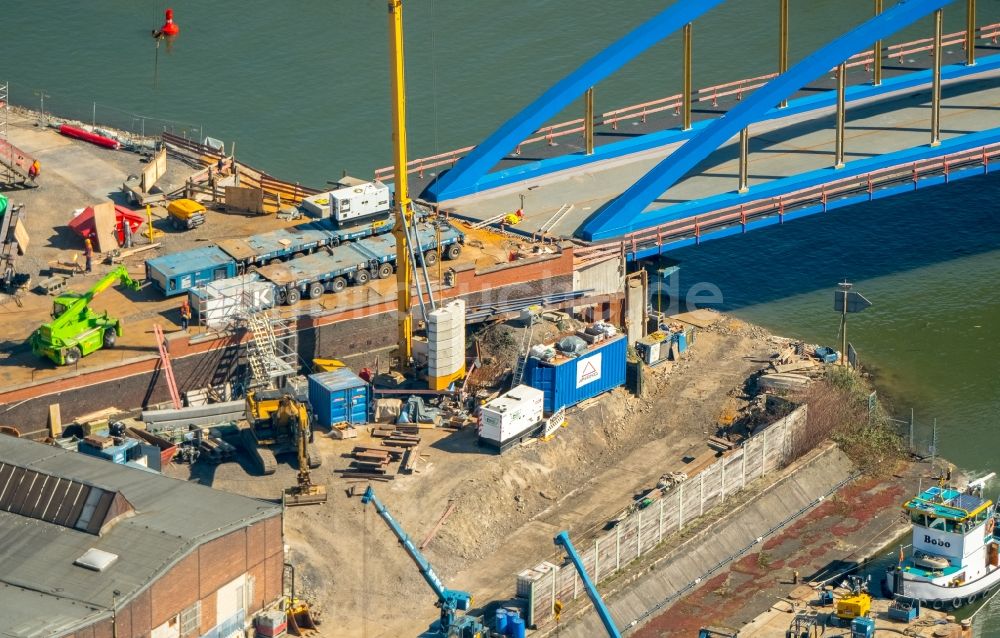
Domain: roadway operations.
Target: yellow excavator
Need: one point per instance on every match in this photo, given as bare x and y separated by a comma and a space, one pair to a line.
305, 492
276, 422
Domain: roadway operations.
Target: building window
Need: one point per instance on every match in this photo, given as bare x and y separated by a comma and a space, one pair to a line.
191, 620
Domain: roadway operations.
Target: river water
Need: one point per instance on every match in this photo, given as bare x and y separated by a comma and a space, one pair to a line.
302, 88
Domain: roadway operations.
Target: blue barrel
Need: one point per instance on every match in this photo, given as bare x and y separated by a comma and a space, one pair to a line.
501, 622
516, 627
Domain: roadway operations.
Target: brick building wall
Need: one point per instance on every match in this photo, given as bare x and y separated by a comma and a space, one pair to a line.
257, 550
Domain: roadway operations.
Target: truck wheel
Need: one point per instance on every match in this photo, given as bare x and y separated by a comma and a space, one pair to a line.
298, 255
316, 290
274, 261
453, 251
110, 337
293, 296
430, 258
338, 284
71, 356
385, 271
361, 277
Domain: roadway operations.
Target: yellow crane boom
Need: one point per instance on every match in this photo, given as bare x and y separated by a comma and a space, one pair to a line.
401, 209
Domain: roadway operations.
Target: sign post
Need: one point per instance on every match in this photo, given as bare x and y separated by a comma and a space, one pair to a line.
844, 301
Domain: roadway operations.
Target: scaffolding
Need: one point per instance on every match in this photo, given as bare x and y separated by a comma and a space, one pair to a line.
7, 175
271, 353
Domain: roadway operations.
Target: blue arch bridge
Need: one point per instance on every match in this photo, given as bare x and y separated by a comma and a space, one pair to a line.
755, 151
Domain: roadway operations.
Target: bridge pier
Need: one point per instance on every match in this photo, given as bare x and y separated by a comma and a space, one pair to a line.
970, 32
936, 88
783, 43
877, 50
688, 28
744, 160
838, 161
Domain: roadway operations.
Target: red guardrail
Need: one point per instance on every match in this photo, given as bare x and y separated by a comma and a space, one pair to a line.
642, 111
742, 214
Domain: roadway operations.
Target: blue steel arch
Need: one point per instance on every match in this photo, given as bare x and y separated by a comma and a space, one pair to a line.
625, 213
462, 178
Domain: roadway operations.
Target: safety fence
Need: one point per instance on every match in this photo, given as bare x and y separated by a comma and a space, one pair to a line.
15, 158
641, 112
696, 226
644, 529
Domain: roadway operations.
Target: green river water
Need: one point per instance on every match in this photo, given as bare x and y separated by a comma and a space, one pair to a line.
302, 88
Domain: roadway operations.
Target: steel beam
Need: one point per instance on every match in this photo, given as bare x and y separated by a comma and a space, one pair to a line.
936, 89
687, 75
877, 51
783, 43
588, 121
841, 114
744, 160
970, 32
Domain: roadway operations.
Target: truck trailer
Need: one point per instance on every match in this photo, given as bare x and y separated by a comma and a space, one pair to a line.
335, 267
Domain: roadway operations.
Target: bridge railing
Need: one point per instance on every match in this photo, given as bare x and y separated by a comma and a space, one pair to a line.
742, 215
738, 89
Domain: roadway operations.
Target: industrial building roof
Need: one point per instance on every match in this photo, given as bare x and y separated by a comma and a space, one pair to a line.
154, 522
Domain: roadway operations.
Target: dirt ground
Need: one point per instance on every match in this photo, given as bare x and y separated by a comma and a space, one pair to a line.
75, 175
507, 509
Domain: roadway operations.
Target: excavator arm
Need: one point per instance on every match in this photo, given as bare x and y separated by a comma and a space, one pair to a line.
74, 304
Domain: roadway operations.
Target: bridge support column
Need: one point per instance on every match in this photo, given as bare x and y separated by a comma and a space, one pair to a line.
936, 90
841, 114
588, 121
970, 32
877, 51
783, 43
744, 160
688, 28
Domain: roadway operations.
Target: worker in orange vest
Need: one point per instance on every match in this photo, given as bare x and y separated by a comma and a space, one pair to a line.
88, 253
34, 170
185, 315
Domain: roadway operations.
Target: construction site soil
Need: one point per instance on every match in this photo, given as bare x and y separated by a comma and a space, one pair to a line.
506, 509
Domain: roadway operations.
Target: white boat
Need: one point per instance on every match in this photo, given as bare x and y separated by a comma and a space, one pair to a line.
955, 556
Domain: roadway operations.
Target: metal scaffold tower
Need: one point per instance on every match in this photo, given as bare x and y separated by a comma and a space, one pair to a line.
271, 352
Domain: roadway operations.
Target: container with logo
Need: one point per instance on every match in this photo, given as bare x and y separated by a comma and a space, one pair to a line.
569, 379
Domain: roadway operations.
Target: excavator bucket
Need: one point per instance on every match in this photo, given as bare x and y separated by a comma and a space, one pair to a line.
300, 621
313, 495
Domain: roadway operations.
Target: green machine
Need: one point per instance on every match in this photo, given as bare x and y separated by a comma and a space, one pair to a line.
76, 330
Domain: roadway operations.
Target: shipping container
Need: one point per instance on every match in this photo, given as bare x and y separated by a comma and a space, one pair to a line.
510, 418
177, 273
567, 381
338, 396
219, 303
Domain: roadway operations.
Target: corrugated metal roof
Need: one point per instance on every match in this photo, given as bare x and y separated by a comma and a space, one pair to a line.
172, 517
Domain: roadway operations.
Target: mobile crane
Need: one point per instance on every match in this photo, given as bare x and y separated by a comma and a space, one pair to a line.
562, 540
450, 601
75, 330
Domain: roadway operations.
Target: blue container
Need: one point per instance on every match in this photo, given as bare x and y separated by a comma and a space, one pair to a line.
501, 621
568, 381
338, 396
179, 272
516, 625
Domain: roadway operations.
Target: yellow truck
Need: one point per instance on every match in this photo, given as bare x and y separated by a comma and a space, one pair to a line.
186, 214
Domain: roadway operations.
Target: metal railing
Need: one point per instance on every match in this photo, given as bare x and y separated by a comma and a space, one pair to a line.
737, 89
742, 214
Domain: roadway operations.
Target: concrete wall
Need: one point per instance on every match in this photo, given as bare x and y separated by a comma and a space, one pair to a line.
257, 551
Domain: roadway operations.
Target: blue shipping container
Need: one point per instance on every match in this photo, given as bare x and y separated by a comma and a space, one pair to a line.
179, 272
338, 396
567, 382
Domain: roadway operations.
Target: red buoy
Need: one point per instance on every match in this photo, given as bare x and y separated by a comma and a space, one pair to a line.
169, 28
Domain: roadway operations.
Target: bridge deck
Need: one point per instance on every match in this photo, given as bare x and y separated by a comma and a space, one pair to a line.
779, 148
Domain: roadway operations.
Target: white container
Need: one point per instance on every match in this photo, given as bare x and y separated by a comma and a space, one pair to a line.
217, 304
511, 416
446, 339
317, 205
363, 200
